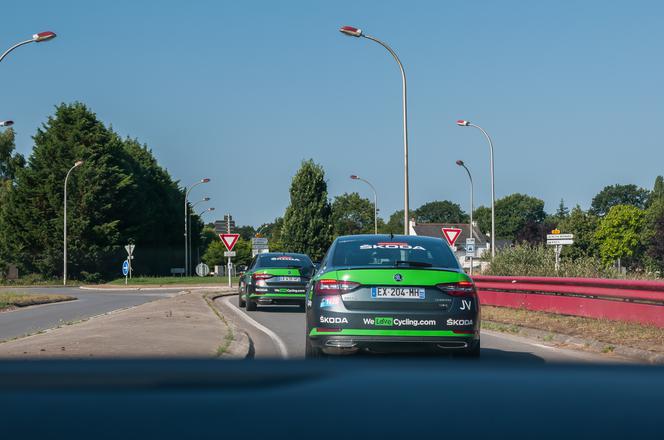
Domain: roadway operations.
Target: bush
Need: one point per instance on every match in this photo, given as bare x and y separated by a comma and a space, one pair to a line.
540, 260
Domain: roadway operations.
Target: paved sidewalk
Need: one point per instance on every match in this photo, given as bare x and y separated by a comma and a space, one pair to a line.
181, 326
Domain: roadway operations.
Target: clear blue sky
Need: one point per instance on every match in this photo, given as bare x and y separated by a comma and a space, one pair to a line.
242, 91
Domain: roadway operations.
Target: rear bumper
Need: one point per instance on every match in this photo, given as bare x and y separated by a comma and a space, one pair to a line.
349, 340
278, 298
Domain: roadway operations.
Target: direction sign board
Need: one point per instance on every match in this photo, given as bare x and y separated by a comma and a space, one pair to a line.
451, 235
258, 240
470, 247
202, 270
230, 253
559, 236
229, 240
559, 242
125, 267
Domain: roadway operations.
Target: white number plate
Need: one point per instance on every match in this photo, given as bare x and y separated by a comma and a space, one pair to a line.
398, 292
286, 279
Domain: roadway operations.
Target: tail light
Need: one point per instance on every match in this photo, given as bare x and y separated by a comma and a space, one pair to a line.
259, 279
334, 287
462, 288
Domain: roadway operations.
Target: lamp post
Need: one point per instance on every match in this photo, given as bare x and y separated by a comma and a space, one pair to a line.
463, 123
472, 206
354, 177
205, 199
186, 222
355, 32
64, 255
6, 123
36, 38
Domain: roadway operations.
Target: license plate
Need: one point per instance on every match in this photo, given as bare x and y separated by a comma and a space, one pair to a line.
398, 292
287, 279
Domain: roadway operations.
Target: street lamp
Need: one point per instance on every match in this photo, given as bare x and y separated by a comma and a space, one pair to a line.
206, 210
472, 202
198, 248
354, 177
205, 199
6, 123
64, 256
36, 38
355, 32
463, 123
186, 222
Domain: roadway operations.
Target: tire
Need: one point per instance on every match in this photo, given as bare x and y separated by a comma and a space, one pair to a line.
251, 305
240, 302
311, 352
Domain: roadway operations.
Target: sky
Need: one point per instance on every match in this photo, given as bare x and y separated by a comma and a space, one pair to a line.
241, 92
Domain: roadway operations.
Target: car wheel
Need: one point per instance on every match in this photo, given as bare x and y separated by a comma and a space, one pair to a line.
311, 352
251, 305
241, 302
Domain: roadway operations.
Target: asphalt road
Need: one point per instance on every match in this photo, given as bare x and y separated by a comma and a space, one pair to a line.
278, 331
88, 303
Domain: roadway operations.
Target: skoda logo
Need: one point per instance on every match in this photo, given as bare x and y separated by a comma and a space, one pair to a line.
398, 277
289, 272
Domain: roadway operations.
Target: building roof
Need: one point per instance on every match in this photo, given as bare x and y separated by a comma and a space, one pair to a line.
436, 230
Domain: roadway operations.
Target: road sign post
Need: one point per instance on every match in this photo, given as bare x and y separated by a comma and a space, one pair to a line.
555, 238
451, 235
130, 255
125, 269
229, 240
470, 252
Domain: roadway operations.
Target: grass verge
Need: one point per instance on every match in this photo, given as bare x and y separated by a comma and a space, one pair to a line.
633, 335
11, 300
165, 281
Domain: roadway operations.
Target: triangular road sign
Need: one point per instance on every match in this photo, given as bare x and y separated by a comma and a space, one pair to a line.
451, 235
229, 240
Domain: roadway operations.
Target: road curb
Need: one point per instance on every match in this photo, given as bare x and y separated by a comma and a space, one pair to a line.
581, 344
240, 346
167, 287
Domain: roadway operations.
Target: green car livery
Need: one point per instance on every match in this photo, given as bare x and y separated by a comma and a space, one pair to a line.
391, 293
275, 278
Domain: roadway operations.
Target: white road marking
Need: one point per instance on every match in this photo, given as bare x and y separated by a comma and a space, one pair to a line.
272, 335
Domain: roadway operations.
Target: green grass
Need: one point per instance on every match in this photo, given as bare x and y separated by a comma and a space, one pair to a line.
10, 300
175, 280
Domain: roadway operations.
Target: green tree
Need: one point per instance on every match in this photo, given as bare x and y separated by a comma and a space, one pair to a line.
214, 254
352, 214
10, 162
394, 224
482, 216
516, 212
583, 225
307, 224
119, 194
613, 195
618, 235
440, 212
657, 193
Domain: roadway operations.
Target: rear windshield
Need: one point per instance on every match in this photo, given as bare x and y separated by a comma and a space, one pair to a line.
398, 252
276, 260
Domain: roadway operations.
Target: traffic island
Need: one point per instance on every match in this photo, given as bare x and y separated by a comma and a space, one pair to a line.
13, 300
184, 326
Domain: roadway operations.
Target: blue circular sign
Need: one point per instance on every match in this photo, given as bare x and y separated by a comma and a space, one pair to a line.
125, 267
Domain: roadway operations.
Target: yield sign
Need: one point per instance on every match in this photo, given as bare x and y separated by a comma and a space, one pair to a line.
229, 240
451, 235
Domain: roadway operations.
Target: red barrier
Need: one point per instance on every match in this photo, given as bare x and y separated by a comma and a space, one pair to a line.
623, 300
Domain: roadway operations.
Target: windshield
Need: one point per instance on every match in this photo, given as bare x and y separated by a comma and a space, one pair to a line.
397, 252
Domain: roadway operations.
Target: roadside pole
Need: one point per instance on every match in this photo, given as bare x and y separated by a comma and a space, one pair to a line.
229, 240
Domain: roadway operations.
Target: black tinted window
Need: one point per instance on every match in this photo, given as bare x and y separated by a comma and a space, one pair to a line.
400, 251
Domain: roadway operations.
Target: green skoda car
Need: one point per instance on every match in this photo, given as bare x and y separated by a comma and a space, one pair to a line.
386, 293
275, 278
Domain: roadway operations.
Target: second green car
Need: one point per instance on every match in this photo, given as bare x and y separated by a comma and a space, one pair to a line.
275, 278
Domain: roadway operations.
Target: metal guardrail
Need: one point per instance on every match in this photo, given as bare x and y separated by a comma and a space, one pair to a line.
623, 300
